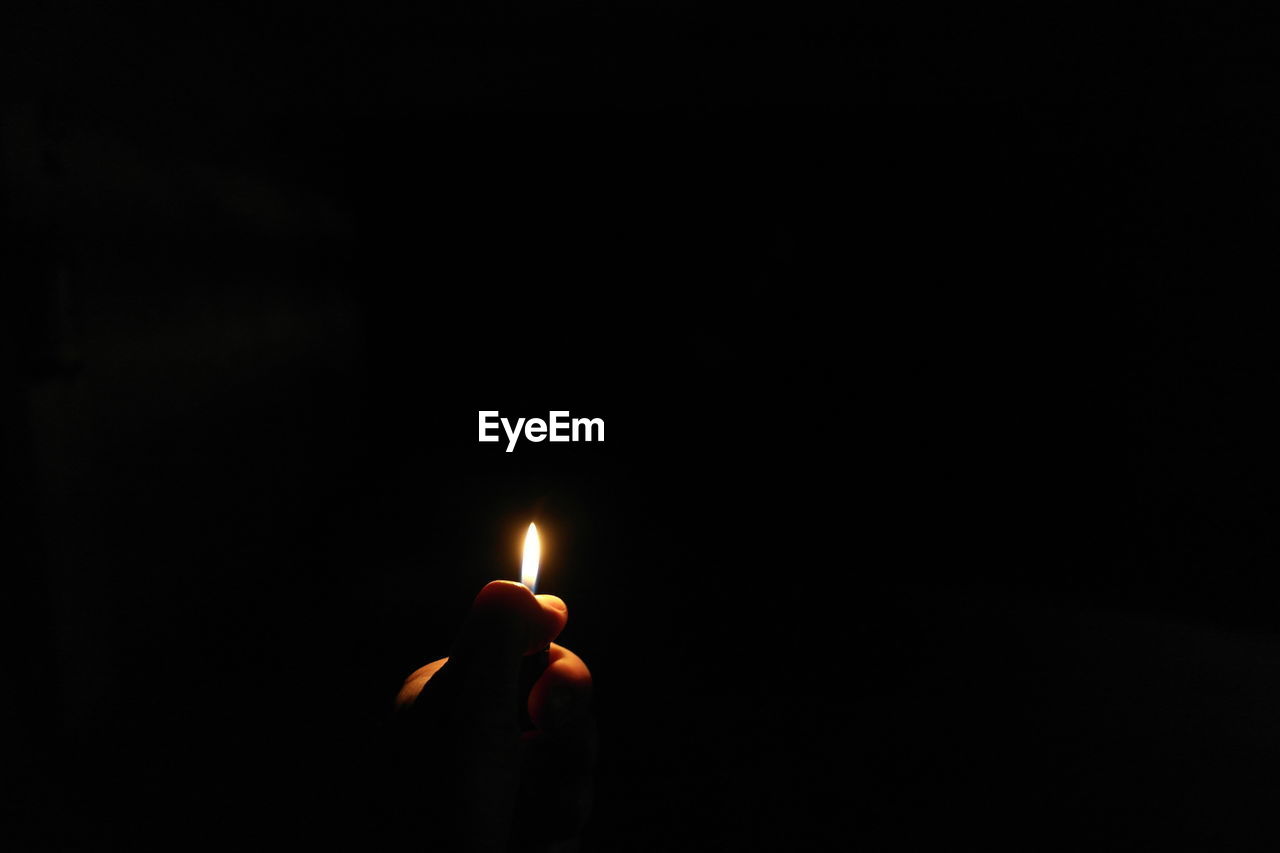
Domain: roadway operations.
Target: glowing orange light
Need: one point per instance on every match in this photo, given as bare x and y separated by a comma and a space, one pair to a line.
532, 553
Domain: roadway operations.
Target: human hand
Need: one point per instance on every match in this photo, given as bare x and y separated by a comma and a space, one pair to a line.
489, 785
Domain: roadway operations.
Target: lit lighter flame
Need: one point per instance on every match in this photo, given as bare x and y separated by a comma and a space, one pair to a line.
532, 552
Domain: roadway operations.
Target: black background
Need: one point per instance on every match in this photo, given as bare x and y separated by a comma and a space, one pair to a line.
931, 348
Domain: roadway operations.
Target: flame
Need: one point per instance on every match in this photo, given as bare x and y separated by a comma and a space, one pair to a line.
532, 553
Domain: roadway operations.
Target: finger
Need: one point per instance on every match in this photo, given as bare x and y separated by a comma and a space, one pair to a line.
472, 694
561, 696
560, 754
551, 622
414, 683
497, 631
552, 614
477, 694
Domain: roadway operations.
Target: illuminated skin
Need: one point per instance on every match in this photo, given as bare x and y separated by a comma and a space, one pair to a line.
462, 710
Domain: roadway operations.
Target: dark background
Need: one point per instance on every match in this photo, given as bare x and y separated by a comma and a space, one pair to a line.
935, 499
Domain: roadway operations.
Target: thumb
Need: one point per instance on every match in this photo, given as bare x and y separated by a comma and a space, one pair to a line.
485, 660
467, 714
